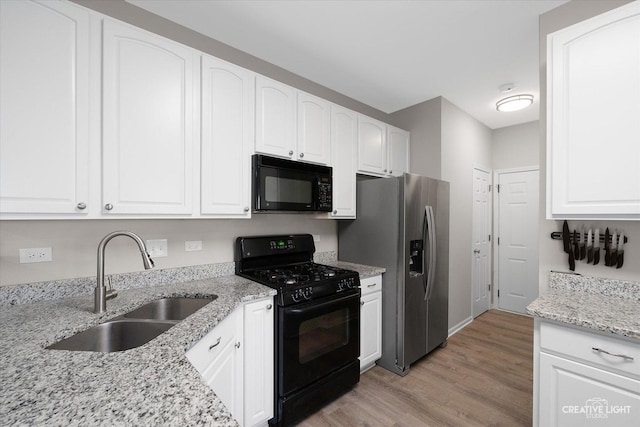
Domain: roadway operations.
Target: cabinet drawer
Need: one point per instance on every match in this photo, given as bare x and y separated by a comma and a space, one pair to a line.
207, 349
371, 284
579, 344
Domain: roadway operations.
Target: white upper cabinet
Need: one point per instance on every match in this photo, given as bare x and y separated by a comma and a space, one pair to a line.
148, 122
593, 117
44, 107
372, 145
227, 137
275, 118
314, 143
383, 150
398, 151
344, 146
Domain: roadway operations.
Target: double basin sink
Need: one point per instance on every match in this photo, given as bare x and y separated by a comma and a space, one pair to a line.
135, 328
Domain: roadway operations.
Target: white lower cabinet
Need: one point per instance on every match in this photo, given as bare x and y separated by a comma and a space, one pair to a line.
370, 322
235, 359
584, 378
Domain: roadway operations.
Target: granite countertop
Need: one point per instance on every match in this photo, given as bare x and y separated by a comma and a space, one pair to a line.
604, 305
153, 384
365, 271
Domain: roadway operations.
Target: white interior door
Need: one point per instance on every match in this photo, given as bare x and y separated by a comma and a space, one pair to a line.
517, 249
481, 246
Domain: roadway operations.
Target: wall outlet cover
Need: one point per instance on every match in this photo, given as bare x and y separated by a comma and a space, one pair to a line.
35, 255
193, 245
157, 248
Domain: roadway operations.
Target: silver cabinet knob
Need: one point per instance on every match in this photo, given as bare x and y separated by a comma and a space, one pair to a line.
246, 208
108, 206
476, 251
301, 155
385, 170
390, 171
361, 302
237, 345
81, 206
269, 307
335, 211
291, 152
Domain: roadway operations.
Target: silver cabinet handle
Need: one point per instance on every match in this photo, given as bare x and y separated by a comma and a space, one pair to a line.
108, 206
301, 155
246, 208
372, 285
81, 206
291, 152
216, 344
624, 356
269, 307
238, 344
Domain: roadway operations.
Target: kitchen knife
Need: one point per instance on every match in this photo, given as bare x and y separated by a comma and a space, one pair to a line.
614, 249
583, 244
607, 248
572, 258
596, 247
565, 237
620, 251
576, 244
589, 247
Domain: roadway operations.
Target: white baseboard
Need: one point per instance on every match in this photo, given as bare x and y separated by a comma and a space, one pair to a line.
460, 325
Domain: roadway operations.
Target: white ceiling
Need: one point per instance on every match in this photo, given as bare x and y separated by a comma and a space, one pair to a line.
388, 54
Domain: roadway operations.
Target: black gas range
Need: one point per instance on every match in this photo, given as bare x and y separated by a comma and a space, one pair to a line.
317, 322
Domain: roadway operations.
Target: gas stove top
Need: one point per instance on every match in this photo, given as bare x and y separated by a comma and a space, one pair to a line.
285, 263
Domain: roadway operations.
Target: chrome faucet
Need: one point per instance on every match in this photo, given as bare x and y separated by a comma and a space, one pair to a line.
101, 293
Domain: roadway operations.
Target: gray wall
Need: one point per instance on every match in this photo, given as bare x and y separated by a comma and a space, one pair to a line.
516, 146
424, 121
551, 254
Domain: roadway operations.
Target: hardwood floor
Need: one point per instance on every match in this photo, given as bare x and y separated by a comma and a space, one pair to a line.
484, 377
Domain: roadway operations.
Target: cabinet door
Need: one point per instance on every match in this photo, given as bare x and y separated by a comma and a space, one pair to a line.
593, 109
225, 372
573, 394
148, 122
258, 361
275, 118
372, 146
344, 145
370, 329
227, 137
314, 144
44, 106
398, 151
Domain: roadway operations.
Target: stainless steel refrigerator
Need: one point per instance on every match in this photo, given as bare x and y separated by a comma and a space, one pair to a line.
403, 225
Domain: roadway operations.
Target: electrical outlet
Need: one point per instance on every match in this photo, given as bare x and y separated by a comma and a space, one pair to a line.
35, 255
193, 245
157, 248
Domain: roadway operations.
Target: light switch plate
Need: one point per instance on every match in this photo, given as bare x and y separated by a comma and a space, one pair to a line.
157, 248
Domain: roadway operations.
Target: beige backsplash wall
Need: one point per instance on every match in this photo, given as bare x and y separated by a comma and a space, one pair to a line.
75, 243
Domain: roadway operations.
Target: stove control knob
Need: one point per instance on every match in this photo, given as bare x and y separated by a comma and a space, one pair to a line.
307, 292
295, 296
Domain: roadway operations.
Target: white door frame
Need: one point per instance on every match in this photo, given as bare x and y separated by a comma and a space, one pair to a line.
496, 226
471, 259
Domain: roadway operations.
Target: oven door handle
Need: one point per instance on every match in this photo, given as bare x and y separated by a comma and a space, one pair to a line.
314, 306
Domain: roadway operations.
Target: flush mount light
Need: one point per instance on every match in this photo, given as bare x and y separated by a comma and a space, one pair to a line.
514, 103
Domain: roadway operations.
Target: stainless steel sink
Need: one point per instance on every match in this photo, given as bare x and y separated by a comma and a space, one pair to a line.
117, 335
170, 308
135, 328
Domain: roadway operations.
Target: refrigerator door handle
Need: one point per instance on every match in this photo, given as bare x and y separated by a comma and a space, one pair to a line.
431, 244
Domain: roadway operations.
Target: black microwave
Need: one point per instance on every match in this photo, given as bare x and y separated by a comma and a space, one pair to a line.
285, 185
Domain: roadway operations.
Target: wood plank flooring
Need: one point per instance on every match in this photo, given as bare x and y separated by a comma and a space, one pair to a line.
484, 377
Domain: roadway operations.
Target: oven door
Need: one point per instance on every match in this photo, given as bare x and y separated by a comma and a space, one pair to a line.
317, 338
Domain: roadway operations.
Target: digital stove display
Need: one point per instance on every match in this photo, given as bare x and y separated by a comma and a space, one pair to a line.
281, 244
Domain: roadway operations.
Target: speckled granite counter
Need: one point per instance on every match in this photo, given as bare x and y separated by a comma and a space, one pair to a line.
604, 305
150, 385
364, 270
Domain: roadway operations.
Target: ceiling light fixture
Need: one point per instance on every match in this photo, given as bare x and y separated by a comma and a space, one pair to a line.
514, 103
